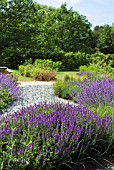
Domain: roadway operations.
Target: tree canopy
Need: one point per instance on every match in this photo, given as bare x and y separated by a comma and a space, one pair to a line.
33, 30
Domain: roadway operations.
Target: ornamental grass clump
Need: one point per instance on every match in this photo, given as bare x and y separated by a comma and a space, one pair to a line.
9, 90
53, 136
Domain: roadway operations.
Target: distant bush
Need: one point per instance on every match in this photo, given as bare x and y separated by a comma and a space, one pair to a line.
47, 64
21, 69
28, 70
83, 68
44, 75
90, 68
42, 70
72, 61
104, 63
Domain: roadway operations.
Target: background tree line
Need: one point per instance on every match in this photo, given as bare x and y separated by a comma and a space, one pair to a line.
30, 30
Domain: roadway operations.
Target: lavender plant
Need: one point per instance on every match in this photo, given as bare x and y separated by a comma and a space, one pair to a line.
84, 74
97, 93
9, 89
47, 136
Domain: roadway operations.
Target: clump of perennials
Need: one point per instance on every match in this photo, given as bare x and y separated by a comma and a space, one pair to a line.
9, 90
46, 136
93, 93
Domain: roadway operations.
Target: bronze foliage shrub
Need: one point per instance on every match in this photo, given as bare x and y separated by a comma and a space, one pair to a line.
45, 75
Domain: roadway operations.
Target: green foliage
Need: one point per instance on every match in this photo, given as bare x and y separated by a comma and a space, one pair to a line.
30, 31
16, 31
21, 69
83, 68
72, 61
90, 68
18, 77
104, 63
105, 40
40, 71
59, 87
63, 87
36, 73
28, 70
66, 77
47, 64
103, 110
4, 98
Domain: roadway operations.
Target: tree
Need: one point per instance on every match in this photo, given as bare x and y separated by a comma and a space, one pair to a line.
105, 42
63, 29
16, 30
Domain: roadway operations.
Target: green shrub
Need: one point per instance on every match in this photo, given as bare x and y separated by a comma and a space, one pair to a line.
21, 69
67, 77
28, 70
72, 61
58, 87
104, 63
44, 75
83, 68
36, 73
65, 93
47, 75
47, 64
92, 67
28, 62
4, 98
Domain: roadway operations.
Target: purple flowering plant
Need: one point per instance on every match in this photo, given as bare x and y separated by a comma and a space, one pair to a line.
44, 136
93, 93
97, 93
87, 74
9, 90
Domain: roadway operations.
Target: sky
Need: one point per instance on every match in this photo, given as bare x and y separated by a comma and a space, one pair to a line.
97, 12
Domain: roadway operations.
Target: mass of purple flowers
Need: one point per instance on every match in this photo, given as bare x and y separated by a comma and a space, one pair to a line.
8, 83
94, 93
45, 135
49, 136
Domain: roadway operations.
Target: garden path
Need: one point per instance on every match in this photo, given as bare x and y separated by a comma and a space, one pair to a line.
22, 83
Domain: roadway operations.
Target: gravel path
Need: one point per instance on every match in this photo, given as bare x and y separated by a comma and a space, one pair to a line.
33, 93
